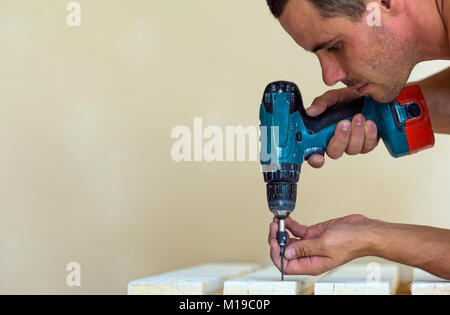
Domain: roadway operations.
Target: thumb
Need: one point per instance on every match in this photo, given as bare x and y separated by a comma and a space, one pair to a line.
318, 106
304, 248
328, 99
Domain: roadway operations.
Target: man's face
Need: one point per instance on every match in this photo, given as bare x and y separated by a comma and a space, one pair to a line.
370, 59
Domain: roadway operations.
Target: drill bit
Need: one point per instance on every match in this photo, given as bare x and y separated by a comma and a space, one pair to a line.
282, 240
282, 262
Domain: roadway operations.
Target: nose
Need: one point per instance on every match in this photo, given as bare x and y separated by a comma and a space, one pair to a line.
332, 71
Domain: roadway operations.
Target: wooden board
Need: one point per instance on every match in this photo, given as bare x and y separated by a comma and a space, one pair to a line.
197, 280
360, 279
267, 282
425, 283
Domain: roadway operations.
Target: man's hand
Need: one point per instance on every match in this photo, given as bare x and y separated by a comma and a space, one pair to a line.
321, 247
358, 136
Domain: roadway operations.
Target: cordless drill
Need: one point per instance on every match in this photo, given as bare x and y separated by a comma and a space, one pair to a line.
289, 136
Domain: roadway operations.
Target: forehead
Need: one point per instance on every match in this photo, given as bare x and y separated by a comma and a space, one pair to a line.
303, 22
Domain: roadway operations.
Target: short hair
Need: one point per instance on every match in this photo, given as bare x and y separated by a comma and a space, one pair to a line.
353, 9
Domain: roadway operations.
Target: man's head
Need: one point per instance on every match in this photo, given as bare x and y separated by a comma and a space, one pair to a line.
364, 44
353, 9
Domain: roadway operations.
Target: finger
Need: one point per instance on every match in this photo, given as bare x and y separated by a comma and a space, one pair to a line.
356, 142
321, 103
371, 138
275, 247
314, 231
311, 266
330, 98
291, 241
318, 106
350, 219
273, 228
338, 143
275, 253
305, 248
316, 160
296, 228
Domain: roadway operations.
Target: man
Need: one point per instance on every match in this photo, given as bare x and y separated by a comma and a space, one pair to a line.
373, 59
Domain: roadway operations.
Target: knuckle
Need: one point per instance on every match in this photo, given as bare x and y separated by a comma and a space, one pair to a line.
316, 100
331, 93
366, 150
368, 146
371, 144
353, 150
336, 155
333, 154
303, 251
358, 217
324, 243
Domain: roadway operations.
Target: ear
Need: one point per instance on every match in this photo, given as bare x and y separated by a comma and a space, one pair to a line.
393, 7
386, 4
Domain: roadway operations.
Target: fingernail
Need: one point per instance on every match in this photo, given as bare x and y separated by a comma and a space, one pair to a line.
346, 126
359, 121
291, 254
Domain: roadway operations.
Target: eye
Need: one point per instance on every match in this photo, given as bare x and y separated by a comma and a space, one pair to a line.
335, 47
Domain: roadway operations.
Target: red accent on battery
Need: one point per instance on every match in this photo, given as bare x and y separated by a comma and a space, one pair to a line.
419, 132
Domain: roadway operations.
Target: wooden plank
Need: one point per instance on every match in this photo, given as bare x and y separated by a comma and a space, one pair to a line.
267, 282
197, 280
425, 283
360, 279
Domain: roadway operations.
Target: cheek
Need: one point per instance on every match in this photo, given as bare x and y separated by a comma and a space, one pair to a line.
358, 61
370, 61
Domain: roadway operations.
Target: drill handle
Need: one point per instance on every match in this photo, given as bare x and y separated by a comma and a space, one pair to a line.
332, 115
299, 135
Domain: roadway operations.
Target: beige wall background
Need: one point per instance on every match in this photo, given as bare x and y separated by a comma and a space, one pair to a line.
86, 115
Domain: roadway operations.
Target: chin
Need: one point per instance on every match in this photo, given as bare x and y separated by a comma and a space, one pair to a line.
384, 95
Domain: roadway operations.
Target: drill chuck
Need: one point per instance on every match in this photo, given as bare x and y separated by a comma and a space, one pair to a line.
281, 187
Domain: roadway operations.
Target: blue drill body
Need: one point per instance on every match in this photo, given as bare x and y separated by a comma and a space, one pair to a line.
291, 128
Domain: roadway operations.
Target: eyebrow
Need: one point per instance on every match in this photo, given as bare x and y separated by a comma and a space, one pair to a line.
322, 45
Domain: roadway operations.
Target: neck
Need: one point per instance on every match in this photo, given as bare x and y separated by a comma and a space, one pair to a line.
430, 31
